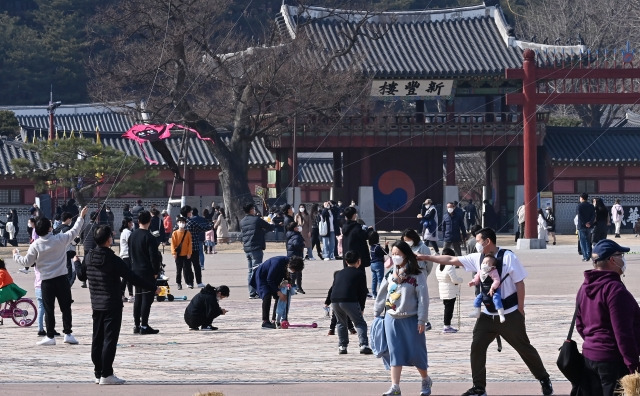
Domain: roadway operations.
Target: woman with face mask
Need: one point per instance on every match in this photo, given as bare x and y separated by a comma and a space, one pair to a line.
181, 248
429, 219
403, 298
418, 247
303, 219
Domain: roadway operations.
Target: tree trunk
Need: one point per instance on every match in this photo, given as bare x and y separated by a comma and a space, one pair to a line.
235, 191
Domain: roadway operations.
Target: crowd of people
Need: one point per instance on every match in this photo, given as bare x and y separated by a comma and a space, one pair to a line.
399, 285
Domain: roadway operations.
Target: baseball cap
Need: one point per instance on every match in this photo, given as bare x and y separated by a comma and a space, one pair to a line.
606, 248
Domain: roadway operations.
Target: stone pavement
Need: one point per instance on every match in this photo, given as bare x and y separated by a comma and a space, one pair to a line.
241, 358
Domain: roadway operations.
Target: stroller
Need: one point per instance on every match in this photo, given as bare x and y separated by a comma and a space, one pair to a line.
165, 290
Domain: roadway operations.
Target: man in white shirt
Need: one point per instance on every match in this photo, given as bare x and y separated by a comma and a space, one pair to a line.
50, 251
488, 325
617, 214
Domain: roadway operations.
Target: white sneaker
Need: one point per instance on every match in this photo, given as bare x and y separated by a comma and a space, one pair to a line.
312, 258
201, 285
327, 259
24, 270
70, 339
46, 341
111, 380
163, 277
97, 381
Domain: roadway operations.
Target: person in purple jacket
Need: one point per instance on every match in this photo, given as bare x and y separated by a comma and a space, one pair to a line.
608, 320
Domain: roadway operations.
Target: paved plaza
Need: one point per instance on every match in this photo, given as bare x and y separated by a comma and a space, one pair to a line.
243, 359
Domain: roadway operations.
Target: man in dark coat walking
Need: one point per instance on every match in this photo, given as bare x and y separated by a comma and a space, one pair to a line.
355, 237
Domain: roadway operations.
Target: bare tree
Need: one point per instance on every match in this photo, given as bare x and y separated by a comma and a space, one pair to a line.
598, 24
184, 66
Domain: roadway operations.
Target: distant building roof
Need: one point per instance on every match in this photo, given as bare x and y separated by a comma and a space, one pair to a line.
315, 170
592, 146
466, 41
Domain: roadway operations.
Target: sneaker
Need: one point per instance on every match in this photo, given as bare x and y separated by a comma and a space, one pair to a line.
365, 350
327, 258
42, 333
425, 390
56, 334
111, 380
311, 259
194, 329
254, 296
547, 389
475, 391
369, 295
132, 299
449, 329
24, 270
136, 329
124, 299
96, 381
70, 339
394, 390
278, 325
301, 291
190, 286
331, 332
148, 330
427, 326
200, 285
163, 277
268, 325
208, 328
179, 286
46, 341
342, 350
353, 331
83, 285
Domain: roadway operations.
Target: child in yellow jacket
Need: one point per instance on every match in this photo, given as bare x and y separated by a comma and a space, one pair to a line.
181, 246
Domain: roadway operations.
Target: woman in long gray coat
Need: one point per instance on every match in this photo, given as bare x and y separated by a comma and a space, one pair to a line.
303, 219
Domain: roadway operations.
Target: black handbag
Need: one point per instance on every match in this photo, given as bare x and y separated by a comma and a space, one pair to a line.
570, 360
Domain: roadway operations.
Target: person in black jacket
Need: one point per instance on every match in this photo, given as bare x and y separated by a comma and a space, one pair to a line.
205, 307
135, 212
355, 237
103, 268
86, 237
453, 228
145, 262
253, 230
295, 247
348, 296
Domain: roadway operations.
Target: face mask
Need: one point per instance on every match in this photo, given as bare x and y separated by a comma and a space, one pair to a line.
624, 264
299, 229
410, 243
450, 210
479, 247
301, 210
181, 225
397, 260
486, 268
427, 206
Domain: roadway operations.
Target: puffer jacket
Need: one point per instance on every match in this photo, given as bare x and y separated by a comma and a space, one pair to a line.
295, 244
103, 269
253, 230
448, 280
204, 305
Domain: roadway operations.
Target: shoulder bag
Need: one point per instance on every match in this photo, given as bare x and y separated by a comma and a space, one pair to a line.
570, 360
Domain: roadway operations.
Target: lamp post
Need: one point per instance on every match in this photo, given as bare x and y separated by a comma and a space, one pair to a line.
52, 110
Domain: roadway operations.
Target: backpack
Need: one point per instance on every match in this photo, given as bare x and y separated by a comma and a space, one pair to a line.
485, 287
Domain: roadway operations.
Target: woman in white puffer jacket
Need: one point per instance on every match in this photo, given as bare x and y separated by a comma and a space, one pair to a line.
448, 281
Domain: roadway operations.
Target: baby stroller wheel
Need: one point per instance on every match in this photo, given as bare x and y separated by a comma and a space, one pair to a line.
170, 297
160, 298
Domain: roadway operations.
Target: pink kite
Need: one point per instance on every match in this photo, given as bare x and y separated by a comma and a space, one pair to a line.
155, 134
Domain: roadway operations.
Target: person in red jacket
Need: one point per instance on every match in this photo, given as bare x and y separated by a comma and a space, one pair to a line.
608, 320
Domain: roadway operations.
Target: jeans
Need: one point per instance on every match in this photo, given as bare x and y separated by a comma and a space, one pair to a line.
377, 273
52, 289
345, 311
254, 259
201, 257
106, 331
496, 298
585, 242
329, 245
142, 306
40, 308
310, 253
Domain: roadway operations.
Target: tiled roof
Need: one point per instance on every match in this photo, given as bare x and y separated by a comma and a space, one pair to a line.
112, 125
315, 170
466, 41
592, 146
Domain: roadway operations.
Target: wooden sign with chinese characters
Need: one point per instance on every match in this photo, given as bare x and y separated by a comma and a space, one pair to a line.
419, 89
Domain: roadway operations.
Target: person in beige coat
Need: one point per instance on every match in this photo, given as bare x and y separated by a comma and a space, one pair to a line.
222, 228
448, 281
303, 219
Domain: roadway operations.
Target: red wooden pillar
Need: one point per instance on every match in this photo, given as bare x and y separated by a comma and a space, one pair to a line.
530, 145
